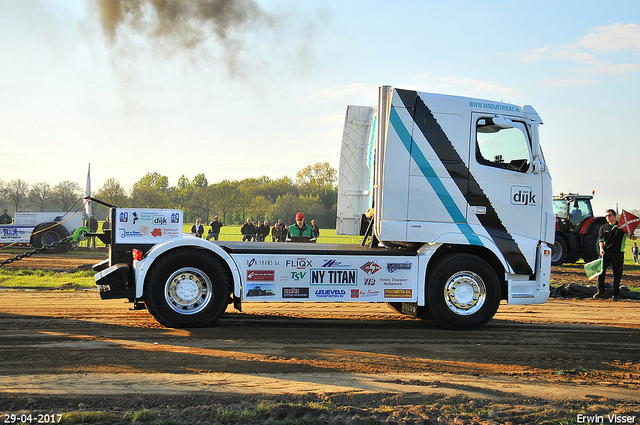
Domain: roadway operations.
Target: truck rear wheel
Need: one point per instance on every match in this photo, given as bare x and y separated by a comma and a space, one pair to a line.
47, 233
463, 292
186, 288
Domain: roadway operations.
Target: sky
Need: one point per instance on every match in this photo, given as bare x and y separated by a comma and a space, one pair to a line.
260, 87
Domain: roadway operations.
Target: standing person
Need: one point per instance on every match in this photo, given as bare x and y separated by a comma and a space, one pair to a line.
248, 231
259, 230
197, 229
283, 230
265, 231
634, 251
215, 228
6, 218
315, 229
612, 242
93, 228
276, 233
300, 232
107, 225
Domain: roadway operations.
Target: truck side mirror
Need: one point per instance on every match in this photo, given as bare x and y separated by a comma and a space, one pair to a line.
535, 140
502, 122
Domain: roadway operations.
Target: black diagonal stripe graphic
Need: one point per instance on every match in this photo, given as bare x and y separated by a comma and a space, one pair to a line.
466, 182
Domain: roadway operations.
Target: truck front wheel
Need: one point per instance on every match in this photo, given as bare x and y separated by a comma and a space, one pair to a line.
463, 292
186, 288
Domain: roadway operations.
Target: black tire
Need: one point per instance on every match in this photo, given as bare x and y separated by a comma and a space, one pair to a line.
47, 233
463, 292
590, 245
558, 251
187, 288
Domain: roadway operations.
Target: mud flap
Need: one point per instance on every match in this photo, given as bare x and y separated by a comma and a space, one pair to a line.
410, 309
237, 303
112, 282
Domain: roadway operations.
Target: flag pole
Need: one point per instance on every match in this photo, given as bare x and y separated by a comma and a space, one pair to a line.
87, 205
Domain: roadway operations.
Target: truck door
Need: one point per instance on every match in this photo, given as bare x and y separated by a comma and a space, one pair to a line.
505, 194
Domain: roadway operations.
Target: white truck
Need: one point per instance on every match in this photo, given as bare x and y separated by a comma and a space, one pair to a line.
38, 229
460, 204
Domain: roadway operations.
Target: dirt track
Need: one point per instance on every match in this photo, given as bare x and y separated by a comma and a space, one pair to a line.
61, 350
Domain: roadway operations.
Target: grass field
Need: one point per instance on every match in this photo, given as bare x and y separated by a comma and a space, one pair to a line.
23, 278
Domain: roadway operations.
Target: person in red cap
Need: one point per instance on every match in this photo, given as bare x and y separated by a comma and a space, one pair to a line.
300, 232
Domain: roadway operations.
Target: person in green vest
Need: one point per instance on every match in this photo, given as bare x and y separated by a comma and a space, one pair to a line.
300, 232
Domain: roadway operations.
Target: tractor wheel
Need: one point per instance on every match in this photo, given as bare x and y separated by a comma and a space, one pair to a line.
590, 245
463, 292
186, 288
47, 233
558, 251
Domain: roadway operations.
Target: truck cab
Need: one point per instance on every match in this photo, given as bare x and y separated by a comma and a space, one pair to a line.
458, 173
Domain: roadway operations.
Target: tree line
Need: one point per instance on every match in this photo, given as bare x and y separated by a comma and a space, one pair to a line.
313, 191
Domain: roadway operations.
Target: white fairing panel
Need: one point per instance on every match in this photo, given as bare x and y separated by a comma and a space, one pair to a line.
354, 173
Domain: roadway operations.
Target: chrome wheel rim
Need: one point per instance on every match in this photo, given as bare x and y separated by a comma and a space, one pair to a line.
188, 291
465, 293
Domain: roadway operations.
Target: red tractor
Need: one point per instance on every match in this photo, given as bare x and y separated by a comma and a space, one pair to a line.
576, 229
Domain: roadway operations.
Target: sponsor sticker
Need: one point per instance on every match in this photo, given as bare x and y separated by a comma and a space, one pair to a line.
261, 275
397, 293
297, 276
261, 262
334, 263
299, 263
394, 267
263, 290
124, 233
334, 277
357, 293
522, 195
394, 281
295, 292
370, 267
330, 293
159, 220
